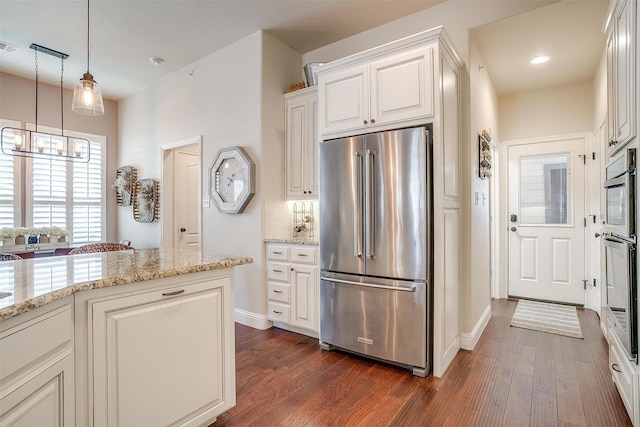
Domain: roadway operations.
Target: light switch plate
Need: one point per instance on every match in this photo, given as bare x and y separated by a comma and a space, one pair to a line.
205, 202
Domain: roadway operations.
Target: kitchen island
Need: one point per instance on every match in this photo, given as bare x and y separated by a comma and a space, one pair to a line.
139, 337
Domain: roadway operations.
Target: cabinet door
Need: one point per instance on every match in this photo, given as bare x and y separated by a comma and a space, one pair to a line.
160, 358
625, 73
611, 90
298, 131
312, 150
45, 400
344, 97
402, 87
304, 296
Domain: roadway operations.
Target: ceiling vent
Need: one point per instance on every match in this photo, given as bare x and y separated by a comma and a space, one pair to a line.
8, 47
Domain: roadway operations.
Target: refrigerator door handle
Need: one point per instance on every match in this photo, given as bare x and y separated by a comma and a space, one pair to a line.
357, 211
369, 205
370, 285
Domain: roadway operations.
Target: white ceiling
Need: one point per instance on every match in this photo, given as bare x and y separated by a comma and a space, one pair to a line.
570, 32
126, 33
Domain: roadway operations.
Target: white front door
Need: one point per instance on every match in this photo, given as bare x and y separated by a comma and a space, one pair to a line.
187, 172
547, 220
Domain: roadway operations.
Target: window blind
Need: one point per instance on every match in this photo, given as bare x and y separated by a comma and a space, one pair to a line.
7, 186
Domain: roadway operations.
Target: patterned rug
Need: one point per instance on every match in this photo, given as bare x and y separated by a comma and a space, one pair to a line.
547, 317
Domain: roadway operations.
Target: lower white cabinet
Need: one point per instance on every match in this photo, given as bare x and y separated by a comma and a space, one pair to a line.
37, 369
293, 277
159, 355
626, 376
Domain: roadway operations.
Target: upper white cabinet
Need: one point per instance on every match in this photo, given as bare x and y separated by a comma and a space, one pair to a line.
376, 92
621, 74
302, 144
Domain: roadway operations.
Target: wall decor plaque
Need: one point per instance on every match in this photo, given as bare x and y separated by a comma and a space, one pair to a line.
126, 177
145, 200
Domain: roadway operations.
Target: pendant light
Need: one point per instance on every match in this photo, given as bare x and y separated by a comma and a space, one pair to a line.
87, 97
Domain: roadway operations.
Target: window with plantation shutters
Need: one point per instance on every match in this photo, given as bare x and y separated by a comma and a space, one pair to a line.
68, 195
9, 206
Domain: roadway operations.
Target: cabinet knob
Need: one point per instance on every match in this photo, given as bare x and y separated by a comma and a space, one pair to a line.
365, 122
305, 192
373, 121
309, 191
182, 230
292, 269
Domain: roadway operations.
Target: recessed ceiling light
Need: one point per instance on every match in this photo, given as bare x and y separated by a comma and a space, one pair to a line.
540, 60
156, 61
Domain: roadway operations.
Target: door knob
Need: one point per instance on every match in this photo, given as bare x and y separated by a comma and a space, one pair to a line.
513, 229
597, 234
182, 230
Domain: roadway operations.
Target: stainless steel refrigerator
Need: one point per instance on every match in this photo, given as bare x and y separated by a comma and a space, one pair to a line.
376, 246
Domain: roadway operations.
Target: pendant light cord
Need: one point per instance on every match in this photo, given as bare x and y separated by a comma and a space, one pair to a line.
36, 61
61, 96
87, 36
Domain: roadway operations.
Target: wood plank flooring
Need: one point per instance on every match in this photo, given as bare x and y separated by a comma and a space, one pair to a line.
514, 377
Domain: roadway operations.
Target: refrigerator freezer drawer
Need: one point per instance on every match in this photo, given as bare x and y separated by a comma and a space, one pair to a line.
377, 321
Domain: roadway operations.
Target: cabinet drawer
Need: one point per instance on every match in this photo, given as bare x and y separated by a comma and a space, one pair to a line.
279, 292
622, 376
35, 339
304, 255
279, 312
278, 271
277, 253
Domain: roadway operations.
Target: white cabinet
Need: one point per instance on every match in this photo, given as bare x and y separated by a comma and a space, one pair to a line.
626, 376
621, 74
160, 353
301, 144
36, 368
374, 92
292, 286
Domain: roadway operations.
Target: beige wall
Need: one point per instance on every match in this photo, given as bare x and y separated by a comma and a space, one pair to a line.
232, 97
17, 102
550, 111
600, 91
476, 268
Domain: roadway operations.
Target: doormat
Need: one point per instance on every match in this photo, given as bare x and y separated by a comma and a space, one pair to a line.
547, 317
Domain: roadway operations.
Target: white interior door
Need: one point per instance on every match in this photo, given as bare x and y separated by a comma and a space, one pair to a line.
547, 220
187, 172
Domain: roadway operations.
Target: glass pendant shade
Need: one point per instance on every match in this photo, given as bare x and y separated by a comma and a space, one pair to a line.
87, 97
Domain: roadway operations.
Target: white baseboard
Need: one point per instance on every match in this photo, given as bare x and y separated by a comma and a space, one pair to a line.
469, 340
247, 318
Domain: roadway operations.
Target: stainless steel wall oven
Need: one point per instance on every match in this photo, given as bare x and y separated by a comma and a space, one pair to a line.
620, 250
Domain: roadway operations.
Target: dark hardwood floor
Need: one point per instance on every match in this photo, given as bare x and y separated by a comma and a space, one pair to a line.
514, 377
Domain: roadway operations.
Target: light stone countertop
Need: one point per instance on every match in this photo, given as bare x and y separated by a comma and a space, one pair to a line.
35, 282
293, 241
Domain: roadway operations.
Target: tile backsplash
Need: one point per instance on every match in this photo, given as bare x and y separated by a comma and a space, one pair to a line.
279, 220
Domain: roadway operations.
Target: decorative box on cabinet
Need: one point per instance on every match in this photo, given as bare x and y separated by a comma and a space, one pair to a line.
376, 91
292, 286
301, 144
622, 47
37, 368
160, 352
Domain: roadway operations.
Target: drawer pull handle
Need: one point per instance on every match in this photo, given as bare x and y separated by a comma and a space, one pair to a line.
277, 292
277, 252
277, 271
277, 312
302, 255
171, 294
615, 367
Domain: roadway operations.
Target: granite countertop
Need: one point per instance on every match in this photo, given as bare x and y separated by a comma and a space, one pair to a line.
293, 240
35, 282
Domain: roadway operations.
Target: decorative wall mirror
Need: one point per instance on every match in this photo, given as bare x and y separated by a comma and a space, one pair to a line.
232, 180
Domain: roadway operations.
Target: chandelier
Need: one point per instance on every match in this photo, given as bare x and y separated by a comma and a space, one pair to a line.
24, 142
